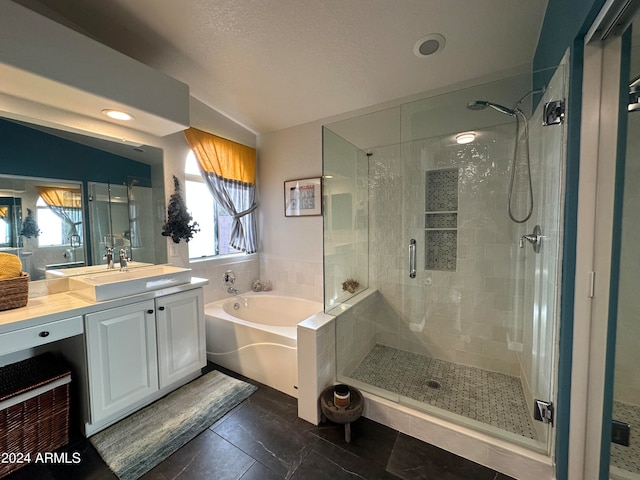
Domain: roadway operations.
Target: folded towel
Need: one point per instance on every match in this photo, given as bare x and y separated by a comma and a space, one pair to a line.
10, 266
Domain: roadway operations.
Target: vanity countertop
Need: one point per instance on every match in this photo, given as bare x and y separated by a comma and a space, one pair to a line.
58, 306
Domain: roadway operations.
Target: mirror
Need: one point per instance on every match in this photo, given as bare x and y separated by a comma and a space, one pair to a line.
65, 198
120, 218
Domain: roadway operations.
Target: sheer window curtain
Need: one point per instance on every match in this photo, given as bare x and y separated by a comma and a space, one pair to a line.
229, 170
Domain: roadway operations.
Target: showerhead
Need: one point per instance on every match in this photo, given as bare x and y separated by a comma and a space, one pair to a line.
477, 105
482, 104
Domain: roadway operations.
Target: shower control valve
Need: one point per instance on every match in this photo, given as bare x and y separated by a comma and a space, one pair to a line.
535, 239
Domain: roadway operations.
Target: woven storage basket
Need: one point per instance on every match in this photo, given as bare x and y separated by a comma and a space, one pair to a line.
34, 409
14, 292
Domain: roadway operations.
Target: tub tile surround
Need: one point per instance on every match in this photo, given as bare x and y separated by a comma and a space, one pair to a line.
246, 269
296, 278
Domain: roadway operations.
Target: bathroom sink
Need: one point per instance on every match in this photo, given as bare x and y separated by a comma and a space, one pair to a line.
91, 269
113, 284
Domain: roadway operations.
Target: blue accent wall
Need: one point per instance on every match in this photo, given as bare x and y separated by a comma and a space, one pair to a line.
29, 152
564, 21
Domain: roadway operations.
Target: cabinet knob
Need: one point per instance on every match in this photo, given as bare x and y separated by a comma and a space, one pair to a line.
43, 334
150, 311
161, 308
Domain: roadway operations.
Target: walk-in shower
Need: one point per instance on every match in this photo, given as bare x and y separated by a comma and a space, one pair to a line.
451, 318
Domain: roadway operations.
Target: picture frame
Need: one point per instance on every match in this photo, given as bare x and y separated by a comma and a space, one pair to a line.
303, 197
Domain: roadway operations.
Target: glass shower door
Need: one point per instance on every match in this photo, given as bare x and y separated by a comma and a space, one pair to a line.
625, 446
459, 317
480, 315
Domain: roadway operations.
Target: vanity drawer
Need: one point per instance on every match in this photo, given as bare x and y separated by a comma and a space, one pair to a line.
45, 333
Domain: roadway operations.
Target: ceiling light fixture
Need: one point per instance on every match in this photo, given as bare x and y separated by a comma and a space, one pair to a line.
117, 114
428, 45
464, 138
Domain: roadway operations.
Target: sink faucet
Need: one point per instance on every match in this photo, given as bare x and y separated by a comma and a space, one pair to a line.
124, 260
109, 258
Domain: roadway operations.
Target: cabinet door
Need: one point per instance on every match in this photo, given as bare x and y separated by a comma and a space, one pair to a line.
181, 338
122, 357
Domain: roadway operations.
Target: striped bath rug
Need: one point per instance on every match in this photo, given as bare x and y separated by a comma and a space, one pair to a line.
136, 444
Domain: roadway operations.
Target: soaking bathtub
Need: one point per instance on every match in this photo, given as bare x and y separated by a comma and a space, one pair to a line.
255, 335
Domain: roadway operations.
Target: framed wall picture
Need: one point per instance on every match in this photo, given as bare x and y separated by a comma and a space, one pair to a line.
303, 197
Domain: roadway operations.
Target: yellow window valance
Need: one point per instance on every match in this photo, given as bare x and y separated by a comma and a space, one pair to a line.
4, 213
60, 197
223, 157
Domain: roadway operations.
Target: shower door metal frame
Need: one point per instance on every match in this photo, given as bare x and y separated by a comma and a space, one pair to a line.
592, 356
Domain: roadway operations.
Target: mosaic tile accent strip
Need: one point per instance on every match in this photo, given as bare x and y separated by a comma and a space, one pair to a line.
627, 458
441, 220
441, 250
441, 190
489, 397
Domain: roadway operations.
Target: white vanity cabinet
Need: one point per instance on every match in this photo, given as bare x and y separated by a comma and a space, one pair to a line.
181, 336
122, 357
139, 352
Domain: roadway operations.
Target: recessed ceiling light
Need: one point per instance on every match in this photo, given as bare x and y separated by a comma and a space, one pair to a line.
117, 114
464, 138
429, 45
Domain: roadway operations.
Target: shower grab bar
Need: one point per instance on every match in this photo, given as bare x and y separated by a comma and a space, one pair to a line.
412, 258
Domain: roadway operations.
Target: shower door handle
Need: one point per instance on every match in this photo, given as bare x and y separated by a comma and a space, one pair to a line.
412, 258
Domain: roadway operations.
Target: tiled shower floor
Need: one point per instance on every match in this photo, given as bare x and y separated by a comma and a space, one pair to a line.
627, 458
488, 397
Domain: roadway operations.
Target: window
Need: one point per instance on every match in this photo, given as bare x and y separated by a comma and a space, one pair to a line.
50, 225
213, 221
5, 226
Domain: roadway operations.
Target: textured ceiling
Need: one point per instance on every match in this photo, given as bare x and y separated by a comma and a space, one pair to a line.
272, 64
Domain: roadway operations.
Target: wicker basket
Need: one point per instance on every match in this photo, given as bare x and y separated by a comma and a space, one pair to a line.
34, 409
14, 292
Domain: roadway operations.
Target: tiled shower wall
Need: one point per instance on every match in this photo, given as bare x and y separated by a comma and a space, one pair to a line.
497, 308
463, 315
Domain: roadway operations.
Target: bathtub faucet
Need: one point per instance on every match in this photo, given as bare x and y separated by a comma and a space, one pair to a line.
229, 279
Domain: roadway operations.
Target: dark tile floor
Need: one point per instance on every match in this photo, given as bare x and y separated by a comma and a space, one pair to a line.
264, 439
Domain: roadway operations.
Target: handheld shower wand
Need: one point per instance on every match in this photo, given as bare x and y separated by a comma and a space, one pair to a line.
519, 115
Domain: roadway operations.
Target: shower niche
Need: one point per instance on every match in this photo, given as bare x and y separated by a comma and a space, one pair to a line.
441, 219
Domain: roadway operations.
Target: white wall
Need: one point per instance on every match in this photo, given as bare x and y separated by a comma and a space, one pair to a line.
291, 247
